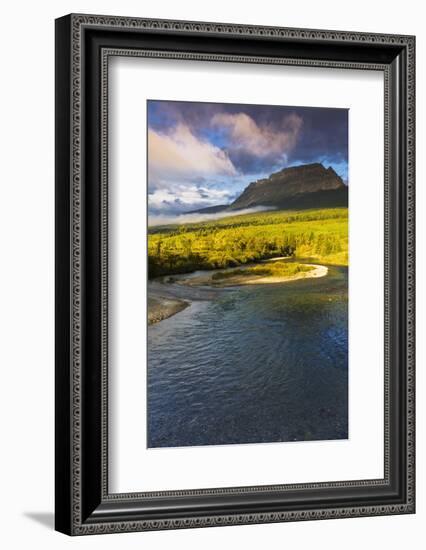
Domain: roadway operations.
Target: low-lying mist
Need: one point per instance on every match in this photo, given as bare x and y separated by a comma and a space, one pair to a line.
155, 220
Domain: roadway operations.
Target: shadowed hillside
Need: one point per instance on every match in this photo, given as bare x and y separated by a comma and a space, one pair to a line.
306, 186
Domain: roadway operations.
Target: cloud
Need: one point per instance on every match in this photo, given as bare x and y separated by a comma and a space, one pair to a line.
155, 220
260, 140
179, 153
205, 154
183, 169
174, 197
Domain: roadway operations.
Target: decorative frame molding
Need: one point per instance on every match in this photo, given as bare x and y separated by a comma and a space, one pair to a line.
83, 504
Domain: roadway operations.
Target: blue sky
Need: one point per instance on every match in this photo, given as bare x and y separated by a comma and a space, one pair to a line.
205, 154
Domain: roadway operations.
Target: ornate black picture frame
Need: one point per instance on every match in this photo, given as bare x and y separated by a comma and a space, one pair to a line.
83, 503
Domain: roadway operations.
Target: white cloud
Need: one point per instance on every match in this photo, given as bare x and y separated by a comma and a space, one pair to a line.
176, 161
181, 196
180, 153
260, 141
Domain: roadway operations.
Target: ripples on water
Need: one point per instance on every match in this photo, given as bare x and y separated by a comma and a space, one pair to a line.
262, 363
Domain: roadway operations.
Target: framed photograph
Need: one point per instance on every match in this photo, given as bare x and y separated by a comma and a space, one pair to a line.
234, 274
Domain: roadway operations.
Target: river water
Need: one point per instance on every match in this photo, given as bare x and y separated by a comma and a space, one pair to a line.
252, 364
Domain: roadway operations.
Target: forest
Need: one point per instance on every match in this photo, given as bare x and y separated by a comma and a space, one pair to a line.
319, 235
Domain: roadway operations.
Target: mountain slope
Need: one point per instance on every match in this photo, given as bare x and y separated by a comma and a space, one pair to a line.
306, 186
297, 187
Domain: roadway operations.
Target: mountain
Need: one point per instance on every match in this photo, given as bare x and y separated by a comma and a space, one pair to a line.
305, 186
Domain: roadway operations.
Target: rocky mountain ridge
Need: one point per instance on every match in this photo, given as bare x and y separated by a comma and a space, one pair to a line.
304, 186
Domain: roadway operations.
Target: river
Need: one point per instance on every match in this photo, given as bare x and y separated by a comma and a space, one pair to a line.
252, 364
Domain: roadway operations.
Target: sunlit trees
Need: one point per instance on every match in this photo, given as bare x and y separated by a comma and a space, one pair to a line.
321, 235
